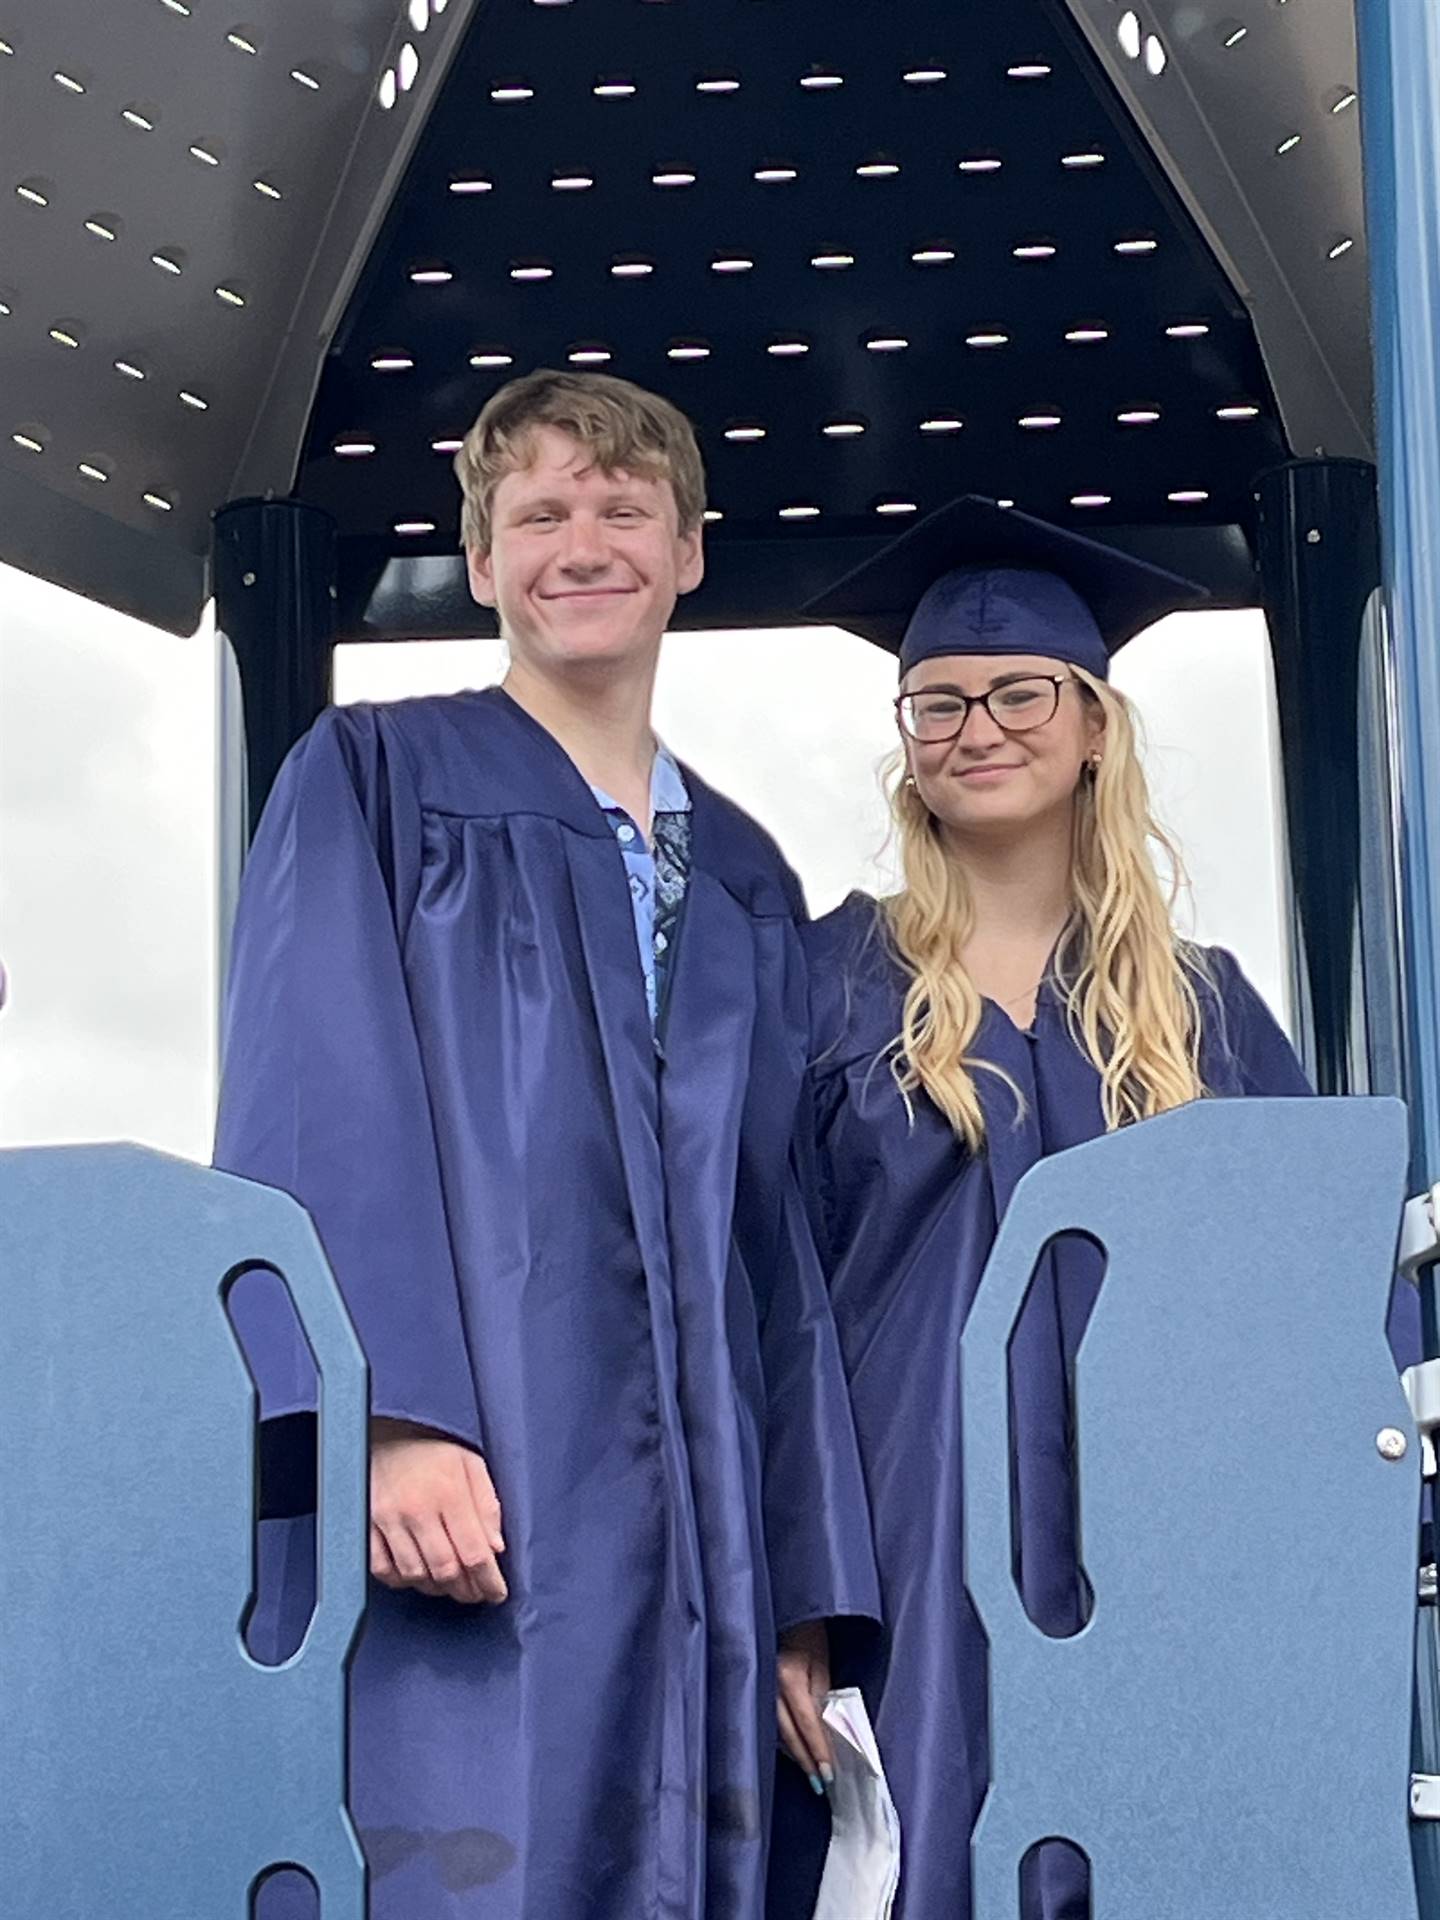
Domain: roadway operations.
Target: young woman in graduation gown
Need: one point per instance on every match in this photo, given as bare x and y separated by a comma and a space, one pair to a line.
1024, 990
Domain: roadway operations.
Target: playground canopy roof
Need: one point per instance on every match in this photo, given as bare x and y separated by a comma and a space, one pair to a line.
1106, 261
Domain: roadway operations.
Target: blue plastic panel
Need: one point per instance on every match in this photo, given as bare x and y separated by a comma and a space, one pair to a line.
1228, 1737
148, 1767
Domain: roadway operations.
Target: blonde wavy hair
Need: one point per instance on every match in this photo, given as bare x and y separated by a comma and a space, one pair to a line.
1127, 976
623, 427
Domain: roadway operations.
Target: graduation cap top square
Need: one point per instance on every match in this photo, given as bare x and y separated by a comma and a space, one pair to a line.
974, 577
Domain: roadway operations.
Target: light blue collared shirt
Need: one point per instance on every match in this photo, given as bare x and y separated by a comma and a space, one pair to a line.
667, 795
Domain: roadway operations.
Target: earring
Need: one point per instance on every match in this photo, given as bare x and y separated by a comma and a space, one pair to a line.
910, 780
1094, 763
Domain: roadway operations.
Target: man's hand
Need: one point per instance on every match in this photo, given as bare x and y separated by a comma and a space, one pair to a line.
804, 1672
434, 1517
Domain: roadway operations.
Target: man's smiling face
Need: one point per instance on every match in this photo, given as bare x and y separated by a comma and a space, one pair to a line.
584, 566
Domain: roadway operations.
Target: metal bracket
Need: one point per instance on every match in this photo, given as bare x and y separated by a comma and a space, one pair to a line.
1419, 1236
1419, 1249
1425, 1796
1422, 1390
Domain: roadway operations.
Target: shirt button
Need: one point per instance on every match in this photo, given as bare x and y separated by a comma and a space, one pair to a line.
625, 834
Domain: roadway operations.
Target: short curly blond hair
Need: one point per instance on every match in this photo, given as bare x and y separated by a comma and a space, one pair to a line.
624, 428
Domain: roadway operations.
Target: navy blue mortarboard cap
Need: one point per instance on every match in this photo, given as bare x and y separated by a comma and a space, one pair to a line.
974, 577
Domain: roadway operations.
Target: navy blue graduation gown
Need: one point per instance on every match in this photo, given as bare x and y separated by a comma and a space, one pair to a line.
908, 1221
588, 1262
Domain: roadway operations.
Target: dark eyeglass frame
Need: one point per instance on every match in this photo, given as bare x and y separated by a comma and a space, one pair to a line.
968, 701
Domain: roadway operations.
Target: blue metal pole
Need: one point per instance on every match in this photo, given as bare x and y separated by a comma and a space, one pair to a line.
1399, 48
1399, 44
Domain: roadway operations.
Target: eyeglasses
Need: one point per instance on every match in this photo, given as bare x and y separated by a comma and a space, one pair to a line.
931, 715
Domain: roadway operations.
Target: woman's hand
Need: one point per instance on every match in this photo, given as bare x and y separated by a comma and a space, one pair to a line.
804, 1671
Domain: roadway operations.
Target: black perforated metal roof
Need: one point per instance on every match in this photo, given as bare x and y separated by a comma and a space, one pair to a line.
880, 261
1035, 248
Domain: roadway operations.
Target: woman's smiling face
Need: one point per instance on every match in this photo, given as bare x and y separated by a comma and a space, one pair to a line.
988, 779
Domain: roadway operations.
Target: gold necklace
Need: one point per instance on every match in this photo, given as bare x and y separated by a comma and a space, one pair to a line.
1025, 994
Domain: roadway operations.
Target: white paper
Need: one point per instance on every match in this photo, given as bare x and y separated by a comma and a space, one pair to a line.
862, 1868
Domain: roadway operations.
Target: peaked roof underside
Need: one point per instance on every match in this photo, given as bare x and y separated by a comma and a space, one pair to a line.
880, 259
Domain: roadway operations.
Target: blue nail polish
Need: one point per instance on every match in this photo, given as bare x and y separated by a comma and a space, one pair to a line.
816, 1785
827, 1773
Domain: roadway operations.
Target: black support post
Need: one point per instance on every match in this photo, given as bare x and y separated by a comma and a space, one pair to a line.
1318, 553
275, 602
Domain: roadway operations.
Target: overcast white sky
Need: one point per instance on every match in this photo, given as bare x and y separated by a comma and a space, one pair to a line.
107, 819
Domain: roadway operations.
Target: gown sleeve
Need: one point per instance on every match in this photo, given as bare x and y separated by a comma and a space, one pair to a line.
1253, 1040
817, 1512
323, 1090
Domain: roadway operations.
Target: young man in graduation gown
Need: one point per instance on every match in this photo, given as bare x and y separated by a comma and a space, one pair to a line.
517, 1011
